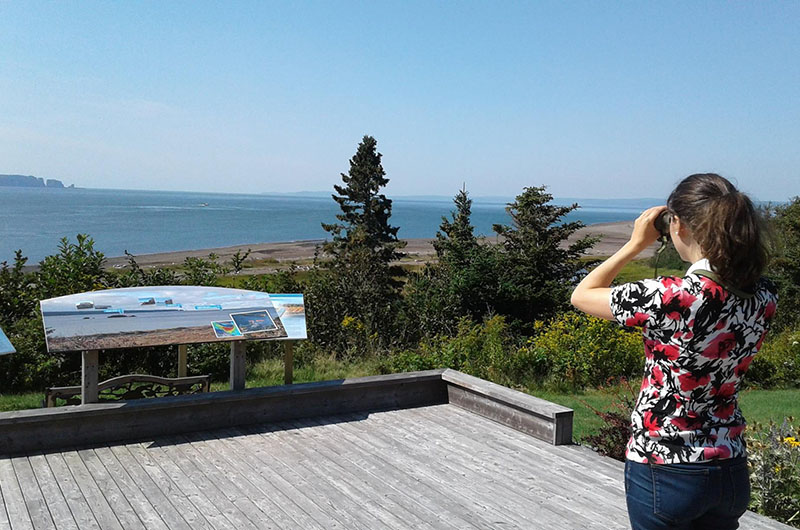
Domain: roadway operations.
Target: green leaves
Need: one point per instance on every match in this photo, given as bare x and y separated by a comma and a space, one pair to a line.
774, 460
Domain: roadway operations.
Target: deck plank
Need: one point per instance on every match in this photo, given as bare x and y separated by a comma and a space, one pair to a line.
218, 490
562, 475
523, 471
182, 503
121, 461
5, 524
512, 493
450, 463
582, 456
291, 440
14, 499
246, 511
279, 469
118, 493
389, 504
56, 502
434, 467
445, 510
93, 494
78, 505
34, 500
283, 508
201, 495
427, 470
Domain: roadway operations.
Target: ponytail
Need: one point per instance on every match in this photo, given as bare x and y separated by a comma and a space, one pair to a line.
726, 225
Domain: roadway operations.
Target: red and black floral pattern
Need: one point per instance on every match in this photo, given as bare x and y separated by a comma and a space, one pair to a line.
699, 340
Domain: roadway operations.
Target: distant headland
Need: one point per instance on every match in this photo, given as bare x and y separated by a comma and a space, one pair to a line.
29, 181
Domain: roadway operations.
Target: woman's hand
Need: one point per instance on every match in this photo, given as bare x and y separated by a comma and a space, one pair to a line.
644, 228
593, 294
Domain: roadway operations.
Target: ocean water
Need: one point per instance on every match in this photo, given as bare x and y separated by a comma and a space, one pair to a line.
143, 222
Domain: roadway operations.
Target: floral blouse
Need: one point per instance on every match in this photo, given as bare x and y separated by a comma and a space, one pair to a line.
699, 340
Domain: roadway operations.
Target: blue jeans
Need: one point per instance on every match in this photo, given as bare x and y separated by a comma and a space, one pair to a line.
687, 496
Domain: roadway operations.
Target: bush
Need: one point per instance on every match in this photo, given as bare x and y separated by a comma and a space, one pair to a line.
77, 267
774, 460
612, 437
17, 298
580, 350
668, 259
777, 364
484, 350
32, 368
785, 266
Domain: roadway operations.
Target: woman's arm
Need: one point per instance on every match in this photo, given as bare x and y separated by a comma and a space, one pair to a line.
593, 293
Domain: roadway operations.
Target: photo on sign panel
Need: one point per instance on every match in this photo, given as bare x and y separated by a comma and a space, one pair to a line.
253, 321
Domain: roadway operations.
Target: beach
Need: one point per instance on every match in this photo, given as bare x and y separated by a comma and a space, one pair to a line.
268, 257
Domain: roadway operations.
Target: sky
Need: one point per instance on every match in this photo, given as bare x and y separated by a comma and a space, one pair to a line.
591, 99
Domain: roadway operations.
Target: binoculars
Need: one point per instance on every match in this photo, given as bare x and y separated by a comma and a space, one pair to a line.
662, 223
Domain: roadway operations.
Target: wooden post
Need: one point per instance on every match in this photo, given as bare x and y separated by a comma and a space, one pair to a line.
288, 362
89, 378
182, 356
238, 350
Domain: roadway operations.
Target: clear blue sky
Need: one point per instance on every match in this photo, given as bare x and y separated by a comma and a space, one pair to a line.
592, 99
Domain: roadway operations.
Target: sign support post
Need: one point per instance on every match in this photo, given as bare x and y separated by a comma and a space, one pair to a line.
238, 350
89, 377
288, 362
182, 360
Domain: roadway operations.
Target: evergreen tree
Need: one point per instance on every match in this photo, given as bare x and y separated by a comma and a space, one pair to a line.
365, 213
462, 282
456, 238
353, 298
539, 268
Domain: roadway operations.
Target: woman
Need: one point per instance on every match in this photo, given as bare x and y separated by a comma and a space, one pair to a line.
685, 461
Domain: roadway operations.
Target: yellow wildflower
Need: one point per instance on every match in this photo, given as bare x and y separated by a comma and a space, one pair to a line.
790, 440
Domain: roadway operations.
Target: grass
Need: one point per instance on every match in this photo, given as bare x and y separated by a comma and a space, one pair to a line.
758, 406
31, 400
270, 372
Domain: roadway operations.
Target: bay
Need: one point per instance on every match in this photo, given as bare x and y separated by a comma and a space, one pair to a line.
142, 222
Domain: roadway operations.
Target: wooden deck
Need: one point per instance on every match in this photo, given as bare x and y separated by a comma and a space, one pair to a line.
437, 466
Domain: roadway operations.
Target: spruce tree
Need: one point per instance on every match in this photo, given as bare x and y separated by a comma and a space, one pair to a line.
353, 296
539, 267
364, 221
456, 237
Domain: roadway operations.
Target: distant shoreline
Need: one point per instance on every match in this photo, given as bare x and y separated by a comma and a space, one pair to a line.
418, 250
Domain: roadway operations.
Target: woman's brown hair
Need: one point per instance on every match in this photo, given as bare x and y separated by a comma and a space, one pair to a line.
726, 225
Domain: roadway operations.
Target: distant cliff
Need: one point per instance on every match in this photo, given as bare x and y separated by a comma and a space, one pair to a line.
28, 181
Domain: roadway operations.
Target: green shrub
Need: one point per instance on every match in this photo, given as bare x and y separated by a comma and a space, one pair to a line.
774, 460
32, 368
580, 350
785, 266
778, 362
668, 259
484, 350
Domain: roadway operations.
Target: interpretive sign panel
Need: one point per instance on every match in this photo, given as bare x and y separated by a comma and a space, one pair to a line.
292, 312
157, 316
5, 344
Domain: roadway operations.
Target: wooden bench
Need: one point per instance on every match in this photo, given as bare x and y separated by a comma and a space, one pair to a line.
134, 386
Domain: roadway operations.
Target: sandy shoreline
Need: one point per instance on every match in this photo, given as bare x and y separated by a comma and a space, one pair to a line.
612, 237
